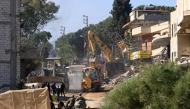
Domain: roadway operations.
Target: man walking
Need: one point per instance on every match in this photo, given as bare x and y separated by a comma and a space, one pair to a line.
63, 89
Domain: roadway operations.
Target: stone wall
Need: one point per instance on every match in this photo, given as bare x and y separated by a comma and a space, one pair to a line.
5, 44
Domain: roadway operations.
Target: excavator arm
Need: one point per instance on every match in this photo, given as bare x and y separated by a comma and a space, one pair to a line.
91, 42
96, 40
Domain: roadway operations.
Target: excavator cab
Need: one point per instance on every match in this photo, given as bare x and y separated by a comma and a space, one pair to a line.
91, 79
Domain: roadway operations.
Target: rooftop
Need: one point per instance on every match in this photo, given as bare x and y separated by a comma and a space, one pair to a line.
151, 10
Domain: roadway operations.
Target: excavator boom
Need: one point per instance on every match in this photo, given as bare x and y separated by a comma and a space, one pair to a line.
96, 40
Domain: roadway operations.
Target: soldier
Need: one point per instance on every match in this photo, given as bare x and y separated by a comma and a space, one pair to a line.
70, 103
80, 102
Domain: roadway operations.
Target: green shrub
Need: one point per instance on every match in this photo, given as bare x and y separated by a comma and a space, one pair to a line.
119, 98
21, 85
182, 92
163, 86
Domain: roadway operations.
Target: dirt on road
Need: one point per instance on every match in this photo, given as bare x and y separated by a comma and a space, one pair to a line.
93, 99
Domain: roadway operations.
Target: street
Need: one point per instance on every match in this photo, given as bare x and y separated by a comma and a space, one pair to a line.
93, 99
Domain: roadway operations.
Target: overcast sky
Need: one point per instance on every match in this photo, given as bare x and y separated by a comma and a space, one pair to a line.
71, 13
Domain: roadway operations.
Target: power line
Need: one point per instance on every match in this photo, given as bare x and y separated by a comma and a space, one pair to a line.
78, 21
75, 27
99, 17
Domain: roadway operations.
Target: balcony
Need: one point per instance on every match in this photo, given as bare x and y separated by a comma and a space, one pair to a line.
140, 31
160, 27
184, 17
159, 41
183, 9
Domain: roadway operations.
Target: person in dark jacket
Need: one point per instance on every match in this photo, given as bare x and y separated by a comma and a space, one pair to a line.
48, 85
53, 88
63, 89
43, 85
58, 91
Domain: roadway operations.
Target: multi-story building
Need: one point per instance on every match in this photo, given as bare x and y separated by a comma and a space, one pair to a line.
180, 32
9, 44
146, 25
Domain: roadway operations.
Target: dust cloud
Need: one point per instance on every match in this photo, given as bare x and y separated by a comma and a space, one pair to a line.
75, 80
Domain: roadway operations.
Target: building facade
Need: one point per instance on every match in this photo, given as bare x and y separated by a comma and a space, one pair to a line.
180, 32
9, 44
147, 24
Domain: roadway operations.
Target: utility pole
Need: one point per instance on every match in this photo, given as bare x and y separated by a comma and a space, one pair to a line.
13, 57
62, 30
85, 19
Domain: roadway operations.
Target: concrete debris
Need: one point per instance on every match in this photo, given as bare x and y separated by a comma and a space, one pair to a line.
114, 81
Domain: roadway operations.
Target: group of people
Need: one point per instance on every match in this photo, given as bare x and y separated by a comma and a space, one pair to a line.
72, 103
59, 90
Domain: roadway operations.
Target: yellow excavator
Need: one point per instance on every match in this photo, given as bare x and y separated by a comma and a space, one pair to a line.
111, 66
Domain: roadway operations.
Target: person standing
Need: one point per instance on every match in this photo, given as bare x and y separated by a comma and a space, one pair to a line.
63, 89
58, 90
53, 88
27, 78
48, 86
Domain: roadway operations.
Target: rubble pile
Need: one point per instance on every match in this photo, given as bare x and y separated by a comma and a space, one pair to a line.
114, 81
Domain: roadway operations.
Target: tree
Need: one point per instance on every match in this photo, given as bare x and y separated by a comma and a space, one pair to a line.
164, 86
36, 15
64, 49
44, 49
102, 30
38, 41
159, 7
120, 13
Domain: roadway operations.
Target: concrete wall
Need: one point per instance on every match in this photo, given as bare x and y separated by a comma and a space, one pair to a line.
5, 44
174, 37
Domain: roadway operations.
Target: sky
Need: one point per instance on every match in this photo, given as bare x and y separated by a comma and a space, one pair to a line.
71, 13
